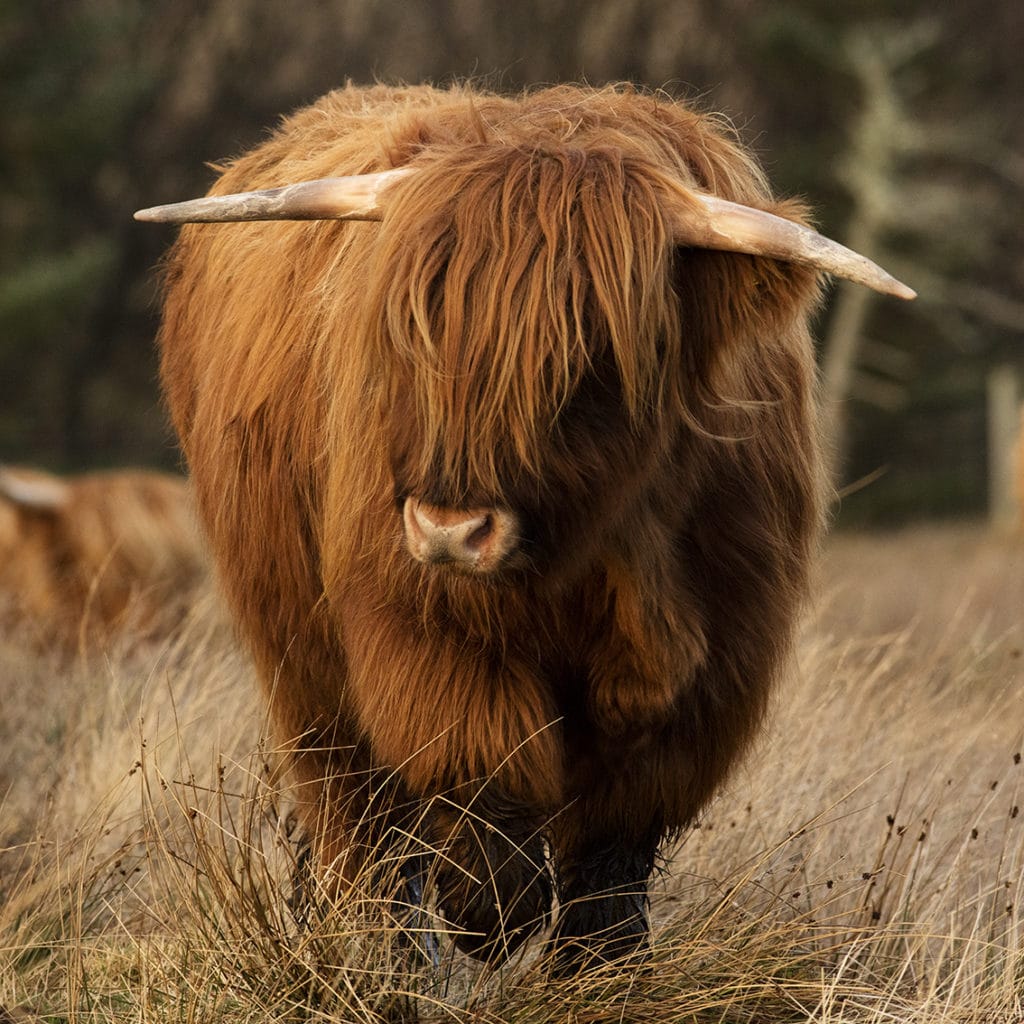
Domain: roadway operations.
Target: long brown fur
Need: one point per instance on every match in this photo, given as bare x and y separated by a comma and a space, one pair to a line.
519, 331
112, 550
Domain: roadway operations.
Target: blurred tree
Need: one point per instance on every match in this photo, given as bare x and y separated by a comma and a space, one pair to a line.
900, 172
920, 169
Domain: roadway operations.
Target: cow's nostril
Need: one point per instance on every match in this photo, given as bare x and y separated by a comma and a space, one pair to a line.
478, 539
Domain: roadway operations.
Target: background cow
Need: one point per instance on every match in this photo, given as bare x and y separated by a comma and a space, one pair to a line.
514, 492
83, 556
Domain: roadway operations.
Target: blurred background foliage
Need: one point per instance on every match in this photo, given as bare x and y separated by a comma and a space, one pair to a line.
900, 121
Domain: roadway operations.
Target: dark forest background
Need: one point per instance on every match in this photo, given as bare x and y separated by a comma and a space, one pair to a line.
900, 121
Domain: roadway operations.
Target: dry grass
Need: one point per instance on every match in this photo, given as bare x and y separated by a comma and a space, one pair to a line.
864, 866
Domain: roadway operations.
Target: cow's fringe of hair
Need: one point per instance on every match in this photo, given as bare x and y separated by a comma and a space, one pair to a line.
531, 264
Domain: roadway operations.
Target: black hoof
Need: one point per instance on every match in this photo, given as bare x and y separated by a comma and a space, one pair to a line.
582, 941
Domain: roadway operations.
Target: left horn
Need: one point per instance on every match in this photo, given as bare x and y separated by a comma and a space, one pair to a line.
707, 222
356, 197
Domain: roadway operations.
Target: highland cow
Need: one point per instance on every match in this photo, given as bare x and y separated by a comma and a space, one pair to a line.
513, 484
85, 556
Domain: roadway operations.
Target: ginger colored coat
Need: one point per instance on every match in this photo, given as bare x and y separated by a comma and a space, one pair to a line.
520, 338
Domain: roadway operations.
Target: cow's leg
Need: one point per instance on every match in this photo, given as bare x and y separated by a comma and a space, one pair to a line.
604, 844
490, 874
603, 903
358, 818
475, 735
401, 863
482, 855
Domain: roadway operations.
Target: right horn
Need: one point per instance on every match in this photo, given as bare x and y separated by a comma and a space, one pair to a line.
707, 222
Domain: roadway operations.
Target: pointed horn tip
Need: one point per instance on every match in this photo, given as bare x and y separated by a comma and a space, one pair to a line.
151, 215
889, 285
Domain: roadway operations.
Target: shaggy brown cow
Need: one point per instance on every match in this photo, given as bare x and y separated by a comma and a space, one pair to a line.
82, 556
513, 492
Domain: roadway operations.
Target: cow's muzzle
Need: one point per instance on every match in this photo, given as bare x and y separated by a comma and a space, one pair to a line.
479, 540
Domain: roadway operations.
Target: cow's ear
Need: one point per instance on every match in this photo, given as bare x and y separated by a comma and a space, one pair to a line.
743, 289
729, 298
33, 493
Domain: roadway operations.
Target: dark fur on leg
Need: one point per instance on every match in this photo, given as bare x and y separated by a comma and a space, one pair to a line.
603, 914
492, 878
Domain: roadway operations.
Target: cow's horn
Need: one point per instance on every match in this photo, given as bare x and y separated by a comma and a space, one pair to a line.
37, 494
353, 198
713, 223
702, 221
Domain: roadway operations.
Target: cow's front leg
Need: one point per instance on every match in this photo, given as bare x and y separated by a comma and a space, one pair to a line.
474, 736
604, 845
490, 872
603, 905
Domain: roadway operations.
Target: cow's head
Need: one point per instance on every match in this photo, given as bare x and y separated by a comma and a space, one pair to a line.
524, 312
530, 339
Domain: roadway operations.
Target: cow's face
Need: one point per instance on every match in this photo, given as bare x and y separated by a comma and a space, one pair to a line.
531, 334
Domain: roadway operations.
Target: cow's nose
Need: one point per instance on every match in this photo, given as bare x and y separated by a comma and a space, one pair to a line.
477, 539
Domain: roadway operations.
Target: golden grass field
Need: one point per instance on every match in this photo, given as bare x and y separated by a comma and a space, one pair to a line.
864, 865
